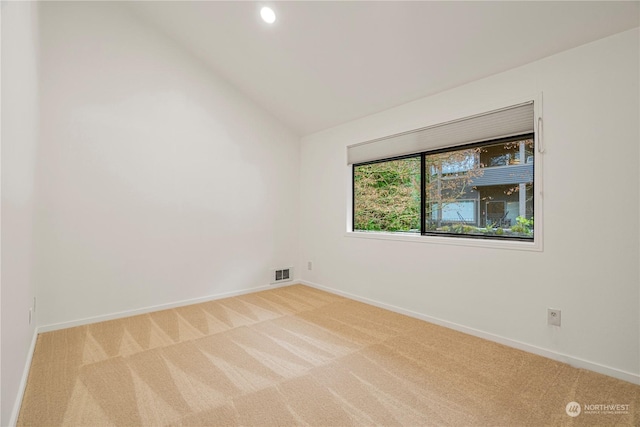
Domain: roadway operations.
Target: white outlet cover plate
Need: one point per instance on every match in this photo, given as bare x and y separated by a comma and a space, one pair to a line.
554, 317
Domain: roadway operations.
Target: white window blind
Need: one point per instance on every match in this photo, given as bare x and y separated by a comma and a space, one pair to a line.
505, 122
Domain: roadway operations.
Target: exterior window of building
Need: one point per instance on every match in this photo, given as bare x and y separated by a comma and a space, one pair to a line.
483, 190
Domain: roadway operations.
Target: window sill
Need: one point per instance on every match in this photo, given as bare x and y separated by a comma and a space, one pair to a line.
453, 241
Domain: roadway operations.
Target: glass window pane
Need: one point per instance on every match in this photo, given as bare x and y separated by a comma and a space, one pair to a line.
387, 196
481, 191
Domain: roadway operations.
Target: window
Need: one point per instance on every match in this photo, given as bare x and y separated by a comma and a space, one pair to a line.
463, 191
455, 211
480, 189
387, 195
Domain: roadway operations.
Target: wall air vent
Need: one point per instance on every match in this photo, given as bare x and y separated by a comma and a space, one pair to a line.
281, 274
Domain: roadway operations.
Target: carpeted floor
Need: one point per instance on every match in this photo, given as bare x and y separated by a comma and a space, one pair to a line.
299, 356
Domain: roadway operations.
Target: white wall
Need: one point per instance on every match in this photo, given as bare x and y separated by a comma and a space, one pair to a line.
19, 146
161, 183
589, 265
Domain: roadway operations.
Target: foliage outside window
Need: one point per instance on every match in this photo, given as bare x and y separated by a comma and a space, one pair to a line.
482, 190
387, 196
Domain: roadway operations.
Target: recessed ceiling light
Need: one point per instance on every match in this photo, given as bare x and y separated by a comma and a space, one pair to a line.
268, 15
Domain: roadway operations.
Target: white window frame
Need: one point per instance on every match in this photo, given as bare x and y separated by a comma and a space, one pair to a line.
538, 230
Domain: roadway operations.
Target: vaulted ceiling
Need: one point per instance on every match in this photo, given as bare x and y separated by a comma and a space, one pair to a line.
325, 63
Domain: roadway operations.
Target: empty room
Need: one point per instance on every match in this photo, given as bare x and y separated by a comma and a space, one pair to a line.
320, 213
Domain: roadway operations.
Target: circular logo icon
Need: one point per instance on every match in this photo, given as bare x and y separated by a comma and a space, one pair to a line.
573, 409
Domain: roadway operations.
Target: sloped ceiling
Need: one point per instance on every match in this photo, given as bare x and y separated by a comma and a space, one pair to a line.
326, 63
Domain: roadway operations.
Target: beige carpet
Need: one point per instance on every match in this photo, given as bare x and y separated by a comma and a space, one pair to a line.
298, 356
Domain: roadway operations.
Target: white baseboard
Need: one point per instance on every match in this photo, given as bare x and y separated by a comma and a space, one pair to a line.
23, 381
570, 360
149, 309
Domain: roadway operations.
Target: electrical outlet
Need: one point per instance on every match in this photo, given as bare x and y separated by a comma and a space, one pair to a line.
553, 316
309, 265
